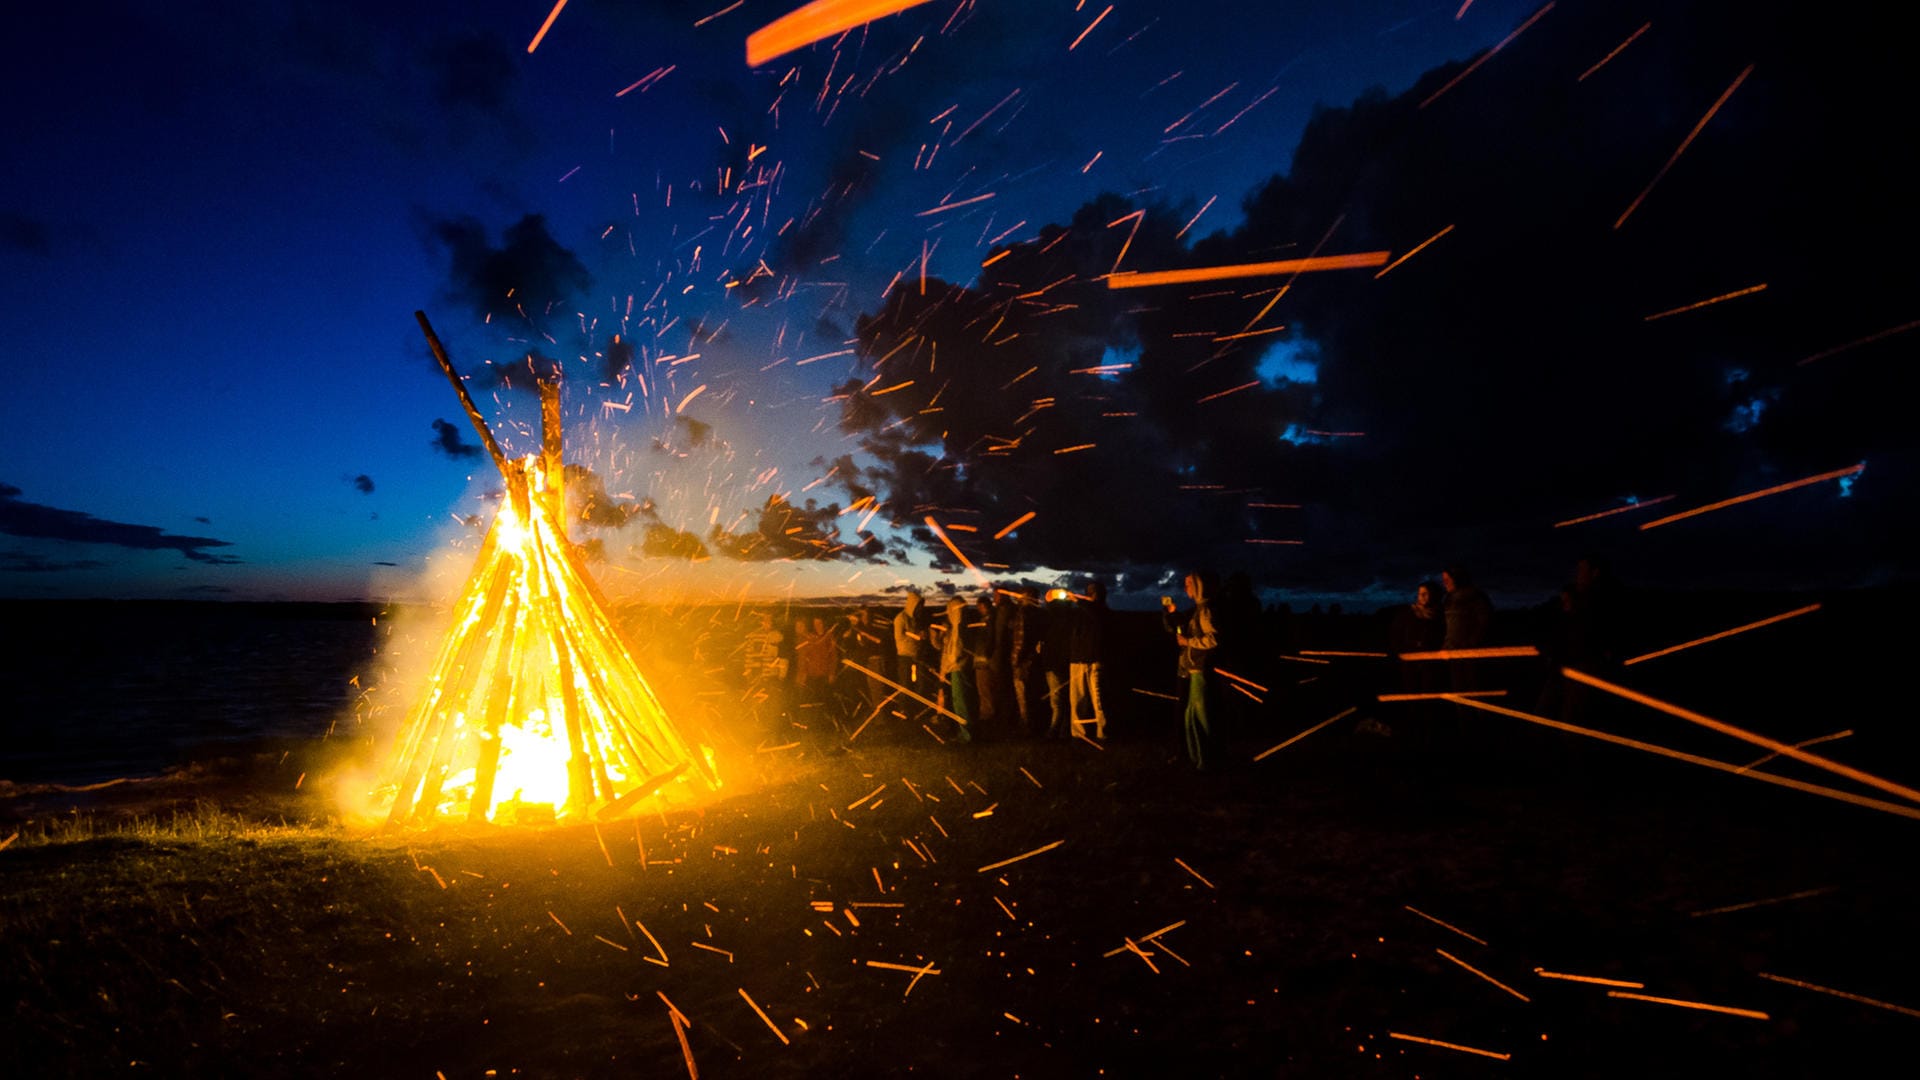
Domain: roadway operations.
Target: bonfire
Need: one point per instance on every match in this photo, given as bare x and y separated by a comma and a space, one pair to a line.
534, 710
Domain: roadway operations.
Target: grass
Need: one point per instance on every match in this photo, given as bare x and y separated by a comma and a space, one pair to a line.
213, 941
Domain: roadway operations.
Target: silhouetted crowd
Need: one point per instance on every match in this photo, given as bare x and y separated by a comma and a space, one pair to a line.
1013, 662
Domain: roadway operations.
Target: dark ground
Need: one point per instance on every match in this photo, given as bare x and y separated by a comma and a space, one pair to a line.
207, 945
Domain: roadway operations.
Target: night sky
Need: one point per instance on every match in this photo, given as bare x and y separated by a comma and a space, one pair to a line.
764, 286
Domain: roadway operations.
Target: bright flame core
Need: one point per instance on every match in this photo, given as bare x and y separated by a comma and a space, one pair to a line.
534, 709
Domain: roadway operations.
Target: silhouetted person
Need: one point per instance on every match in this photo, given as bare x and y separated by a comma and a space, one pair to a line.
1026, 622
913, 647
980, 634
1088, 651
1056, 662
1196, 635
1418, 627
818, 657
956, 667
1586, 636
765, 670
1468, 614
871, 649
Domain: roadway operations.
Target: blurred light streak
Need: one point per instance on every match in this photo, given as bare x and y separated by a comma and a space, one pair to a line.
1486, 56
1808, 610
545, 26
1752, 1014
1816, 987
1744, 735
1682, 148
1752, 495
1495, 1054
1422, 245
1139, 279
1692, 759
1868, 340
820, 19
1616, 52
1642, 504
1703, 303
1495, 653
1016, 523
1089, 29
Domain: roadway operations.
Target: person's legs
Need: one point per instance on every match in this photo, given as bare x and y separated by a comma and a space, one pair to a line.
1199, 731
1077, 694
960, 705
1057, 715
1093, 694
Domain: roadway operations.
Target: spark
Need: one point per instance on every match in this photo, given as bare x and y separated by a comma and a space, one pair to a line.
1752, 495
1486, 56
1016, 523
702, 22
1495, 1054
1804, 894
1417, 249
1640, 505
1803, 744
1089, 29
1343, 652
1769, 621
1195, 218
1009, 862
1742, 734
711, 949
771, 1026
1196, 874
820, 19
1703, 303
1287, 543
1868, 340
1594, 979
1071, 449
934, 705
1752, 1014
1448, 925
1902, 1009
1274, 750
694, 393
1484, 975
1463, 10
680, 1030
1442, 696
1137, 279
943, 207
1224, 393
957, 553
1616, 52
1497, 653
1682, 148
1694, 759
545, 26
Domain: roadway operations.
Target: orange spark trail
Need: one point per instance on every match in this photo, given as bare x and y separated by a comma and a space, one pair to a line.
1483, 975
1488, 55
1703, 303
1868, 340
1692, 759
1614, 53
1017, 522
1840, 994
1744, 735
1264, 754
1751, 1014
545, 26
1089, 29
1752, 495
964, 561
1684, 143
1224, 393
1138, 279
1009, 862
707, 19
1496, 653
1594, 979
820, 19
1441, 696
1495, 1054
775, 1028
1463, 10
1203, 209
1415, 251
944, 207
1644, 503
1808, 610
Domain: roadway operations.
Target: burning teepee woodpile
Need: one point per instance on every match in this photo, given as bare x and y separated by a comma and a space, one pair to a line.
534, 708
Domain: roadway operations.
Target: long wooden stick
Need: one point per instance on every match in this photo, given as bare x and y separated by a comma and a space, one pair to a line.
466, 400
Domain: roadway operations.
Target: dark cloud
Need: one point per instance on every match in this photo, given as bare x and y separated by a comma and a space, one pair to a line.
528, 280
589, 504
383, 562
784, 531
34, 521
1502, 379
21, 233
28, 562
662, 540
362, 483
447, 440
473, 71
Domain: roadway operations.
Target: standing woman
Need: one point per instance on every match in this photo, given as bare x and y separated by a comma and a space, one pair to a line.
956, 666
1196, 637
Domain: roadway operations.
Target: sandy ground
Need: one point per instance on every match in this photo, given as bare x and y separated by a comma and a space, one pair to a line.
1350, 889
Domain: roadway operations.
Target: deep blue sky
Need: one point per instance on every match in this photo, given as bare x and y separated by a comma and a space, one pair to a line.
218, 218
215, 228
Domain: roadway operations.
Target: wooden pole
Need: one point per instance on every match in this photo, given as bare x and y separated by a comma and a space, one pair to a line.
466, 401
